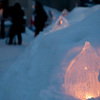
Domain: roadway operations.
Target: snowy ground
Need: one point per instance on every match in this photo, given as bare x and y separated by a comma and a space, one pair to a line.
9, 53
36, 70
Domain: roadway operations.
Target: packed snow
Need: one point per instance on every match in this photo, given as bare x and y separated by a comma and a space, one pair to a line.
36, 69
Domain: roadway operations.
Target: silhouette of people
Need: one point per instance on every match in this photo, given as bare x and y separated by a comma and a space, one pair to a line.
40, 18
17, 17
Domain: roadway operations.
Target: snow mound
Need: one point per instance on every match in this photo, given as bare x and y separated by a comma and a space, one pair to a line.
39, 73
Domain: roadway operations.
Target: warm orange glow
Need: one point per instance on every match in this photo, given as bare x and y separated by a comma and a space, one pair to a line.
85, 68
61, 21
89, 96
81, 78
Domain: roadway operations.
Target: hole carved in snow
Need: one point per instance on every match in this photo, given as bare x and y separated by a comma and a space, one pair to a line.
81, 78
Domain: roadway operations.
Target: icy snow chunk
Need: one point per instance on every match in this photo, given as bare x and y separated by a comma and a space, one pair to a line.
60, 23
81, 78
64, 12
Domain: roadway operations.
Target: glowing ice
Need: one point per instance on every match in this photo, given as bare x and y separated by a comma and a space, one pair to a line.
81, 78
60, 23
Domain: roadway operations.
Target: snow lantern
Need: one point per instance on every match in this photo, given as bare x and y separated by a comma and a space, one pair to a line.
64, 12
82, 75
60, 23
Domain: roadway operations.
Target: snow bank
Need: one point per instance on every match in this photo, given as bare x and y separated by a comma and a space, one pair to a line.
39, 72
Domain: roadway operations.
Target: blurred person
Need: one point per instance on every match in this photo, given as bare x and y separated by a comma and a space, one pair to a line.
17, 18
40, 17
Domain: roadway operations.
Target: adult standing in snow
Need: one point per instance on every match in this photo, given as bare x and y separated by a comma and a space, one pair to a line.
40, 18
17, 17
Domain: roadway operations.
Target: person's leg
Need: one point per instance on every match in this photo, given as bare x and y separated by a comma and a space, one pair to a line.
11, 35
11, 38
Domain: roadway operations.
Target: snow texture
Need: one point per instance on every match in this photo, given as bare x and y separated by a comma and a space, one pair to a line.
36, 70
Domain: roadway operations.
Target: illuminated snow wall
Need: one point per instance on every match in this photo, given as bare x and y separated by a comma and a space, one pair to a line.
81, 78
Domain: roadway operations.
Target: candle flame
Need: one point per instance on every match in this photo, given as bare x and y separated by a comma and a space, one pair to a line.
89, 96
61, 21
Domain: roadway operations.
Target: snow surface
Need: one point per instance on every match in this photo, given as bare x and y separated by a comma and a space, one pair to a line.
36, 70
9, 53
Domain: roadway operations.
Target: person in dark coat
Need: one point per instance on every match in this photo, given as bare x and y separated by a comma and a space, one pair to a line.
17, 17
40, 18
